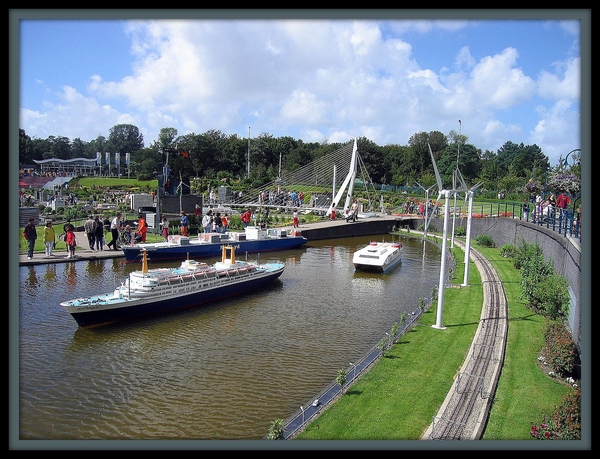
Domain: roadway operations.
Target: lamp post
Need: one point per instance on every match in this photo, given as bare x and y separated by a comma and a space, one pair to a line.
454, 182
248, 153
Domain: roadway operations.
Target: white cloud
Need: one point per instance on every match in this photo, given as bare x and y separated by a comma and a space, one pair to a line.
552, 86
317, 80
497, 83
552, 126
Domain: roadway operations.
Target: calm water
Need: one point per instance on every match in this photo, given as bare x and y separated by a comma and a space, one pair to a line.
220, 372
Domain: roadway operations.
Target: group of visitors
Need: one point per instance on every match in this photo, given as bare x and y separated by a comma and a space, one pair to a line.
94, 231
215, 223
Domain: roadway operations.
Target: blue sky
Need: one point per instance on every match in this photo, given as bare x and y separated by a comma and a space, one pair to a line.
324, 79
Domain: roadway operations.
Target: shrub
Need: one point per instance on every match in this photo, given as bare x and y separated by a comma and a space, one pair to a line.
545, 292
276, 430
485, 241
509, 251
534, 269
560, 351
524, 252
565, 422
567, 418
553, 297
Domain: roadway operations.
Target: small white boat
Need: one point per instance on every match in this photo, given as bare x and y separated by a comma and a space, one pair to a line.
378, 256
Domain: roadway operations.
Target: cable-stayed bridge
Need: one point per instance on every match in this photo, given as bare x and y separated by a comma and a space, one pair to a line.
315, 187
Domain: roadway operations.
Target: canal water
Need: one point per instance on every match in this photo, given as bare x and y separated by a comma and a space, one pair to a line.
223, 371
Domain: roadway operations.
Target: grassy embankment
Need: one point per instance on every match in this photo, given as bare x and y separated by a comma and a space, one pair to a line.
398, 398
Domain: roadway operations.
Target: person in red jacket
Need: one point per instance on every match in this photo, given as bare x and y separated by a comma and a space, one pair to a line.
142, 228
246, 217
71, 241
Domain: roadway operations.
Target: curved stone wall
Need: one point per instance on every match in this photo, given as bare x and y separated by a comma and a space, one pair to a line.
564, 252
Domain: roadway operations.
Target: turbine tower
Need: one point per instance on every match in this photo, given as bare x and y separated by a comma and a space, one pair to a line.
442, 283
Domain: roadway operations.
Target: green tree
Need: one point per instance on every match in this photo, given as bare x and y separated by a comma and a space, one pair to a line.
276, 430
490, 170
26, 148
469, 163
372, 154
522, 159
125, 138
341, 378
167, 137
383, 345
79, 149
59, 147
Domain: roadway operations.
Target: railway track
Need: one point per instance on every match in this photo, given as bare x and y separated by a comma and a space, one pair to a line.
464, 412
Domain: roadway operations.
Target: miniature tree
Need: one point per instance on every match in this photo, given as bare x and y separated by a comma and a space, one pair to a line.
341, 378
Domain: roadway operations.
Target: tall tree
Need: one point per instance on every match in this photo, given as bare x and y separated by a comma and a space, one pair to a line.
79, 149
372, 156
124, 138
26, 148
520, 159
60, 148
467, 159
420, 143
167, 138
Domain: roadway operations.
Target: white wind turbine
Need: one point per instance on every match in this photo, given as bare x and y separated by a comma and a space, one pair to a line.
446, 193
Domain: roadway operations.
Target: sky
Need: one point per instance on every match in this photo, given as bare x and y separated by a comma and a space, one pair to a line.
327, 79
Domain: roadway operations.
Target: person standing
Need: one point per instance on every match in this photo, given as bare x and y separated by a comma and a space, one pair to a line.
526, 209
224, 223
216, 223
49, 238
99, 233
71, 241
184, 222
332, 215
246, 216
65, 228
563, 201
537, 210
30, 235
206, 221
142, 227
197, 209
295, 218
352, 212
115, 227
90, 231
164, 224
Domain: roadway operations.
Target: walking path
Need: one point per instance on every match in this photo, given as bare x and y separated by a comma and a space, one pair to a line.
81, 254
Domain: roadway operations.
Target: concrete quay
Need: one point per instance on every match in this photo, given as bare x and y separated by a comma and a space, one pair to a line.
326, 229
